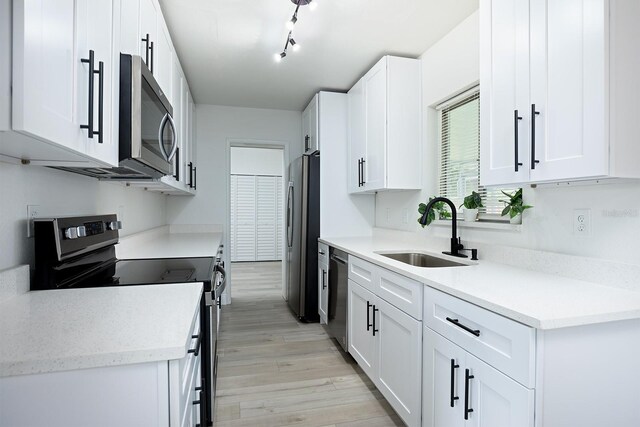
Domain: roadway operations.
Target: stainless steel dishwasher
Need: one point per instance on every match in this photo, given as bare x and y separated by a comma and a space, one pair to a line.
337, 308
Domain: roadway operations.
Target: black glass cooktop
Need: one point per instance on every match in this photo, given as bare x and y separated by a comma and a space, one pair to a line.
149, 272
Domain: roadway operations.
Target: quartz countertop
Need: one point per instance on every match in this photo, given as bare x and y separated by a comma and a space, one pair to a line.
163, 244
536, 299
60, 330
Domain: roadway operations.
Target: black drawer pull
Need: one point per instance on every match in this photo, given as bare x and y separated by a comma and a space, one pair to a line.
452, 396
475, 332
196, 350
534, 113
196, 402
374, 320
369, 325
516, 118
467, 378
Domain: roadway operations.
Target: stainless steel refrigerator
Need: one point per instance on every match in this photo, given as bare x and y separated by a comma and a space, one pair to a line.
303, 230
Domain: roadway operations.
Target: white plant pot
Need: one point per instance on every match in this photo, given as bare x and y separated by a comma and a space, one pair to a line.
516, 219
470, 215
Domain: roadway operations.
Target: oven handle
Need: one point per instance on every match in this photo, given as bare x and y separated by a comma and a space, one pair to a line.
219, 289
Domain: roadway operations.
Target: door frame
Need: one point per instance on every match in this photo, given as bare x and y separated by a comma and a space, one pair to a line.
262, 144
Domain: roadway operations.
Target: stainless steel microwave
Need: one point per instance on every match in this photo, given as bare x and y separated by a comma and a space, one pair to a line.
147, 135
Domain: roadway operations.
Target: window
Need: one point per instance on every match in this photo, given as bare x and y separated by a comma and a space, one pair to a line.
459, 128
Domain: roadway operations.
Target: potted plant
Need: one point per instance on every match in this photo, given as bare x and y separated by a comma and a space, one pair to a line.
439, 207
471, 204
514, 207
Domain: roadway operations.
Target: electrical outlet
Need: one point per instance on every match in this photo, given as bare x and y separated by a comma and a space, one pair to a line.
33, 212
582, 222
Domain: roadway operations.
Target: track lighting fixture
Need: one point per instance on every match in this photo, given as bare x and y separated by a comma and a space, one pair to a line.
290, 25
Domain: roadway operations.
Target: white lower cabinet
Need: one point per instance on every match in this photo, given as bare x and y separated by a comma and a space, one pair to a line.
386, 343
461, 390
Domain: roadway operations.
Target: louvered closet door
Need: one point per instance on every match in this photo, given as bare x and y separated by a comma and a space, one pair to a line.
266, 215
279, 218
234, 212
245, 232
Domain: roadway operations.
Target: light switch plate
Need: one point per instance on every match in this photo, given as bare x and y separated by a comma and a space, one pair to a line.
33, 212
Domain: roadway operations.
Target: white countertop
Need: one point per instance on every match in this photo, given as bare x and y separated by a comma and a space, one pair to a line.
169, 245
536, 299
59, 330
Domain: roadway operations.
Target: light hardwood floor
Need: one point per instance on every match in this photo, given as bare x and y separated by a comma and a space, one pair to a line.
276, 371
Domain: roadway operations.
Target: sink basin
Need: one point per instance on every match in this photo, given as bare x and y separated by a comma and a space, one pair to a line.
422, 260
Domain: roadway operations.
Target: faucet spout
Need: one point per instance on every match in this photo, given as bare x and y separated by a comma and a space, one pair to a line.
455, 243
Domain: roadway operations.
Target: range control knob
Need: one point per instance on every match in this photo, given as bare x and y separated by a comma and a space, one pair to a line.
114, 225
75, 232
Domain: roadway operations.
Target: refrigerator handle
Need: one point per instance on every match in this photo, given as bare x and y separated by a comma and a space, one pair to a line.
290, 215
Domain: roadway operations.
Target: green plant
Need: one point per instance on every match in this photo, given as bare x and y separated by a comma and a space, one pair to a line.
472, 201
439, 207
515, 205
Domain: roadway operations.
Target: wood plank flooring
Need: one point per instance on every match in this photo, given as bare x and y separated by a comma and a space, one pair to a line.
276, 371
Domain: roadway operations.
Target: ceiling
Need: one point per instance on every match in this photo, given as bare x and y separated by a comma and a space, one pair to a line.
226, 47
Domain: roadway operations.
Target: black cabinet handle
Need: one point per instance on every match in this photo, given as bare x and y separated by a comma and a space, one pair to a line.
516, 119
151, 49
306, 143
475, 332
146, 41
196, 350
324, 283
362, 166
359, 173
534, 113
190, 174
177, 175
369, 325
467, 378
374, 320
89, 125
100, 101
195, 178
452, 396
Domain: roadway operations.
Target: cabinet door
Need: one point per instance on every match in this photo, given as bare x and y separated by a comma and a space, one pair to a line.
375, 106
568, 74
443, 381
306, 129
362, 343
504, 91
130, 33
45, 64
164, 58
399, 348
176, 103
94, 23
314, 137
357, 141
148, 26
496, 400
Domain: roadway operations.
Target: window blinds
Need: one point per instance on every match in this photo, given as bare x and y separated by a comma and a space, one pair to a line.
459, 124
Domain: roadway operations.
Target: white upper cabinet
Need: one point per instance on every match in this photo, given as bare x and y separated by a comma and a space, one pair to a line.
57, 97
148, 36
163, 59
553, 78
385, 127
310, 129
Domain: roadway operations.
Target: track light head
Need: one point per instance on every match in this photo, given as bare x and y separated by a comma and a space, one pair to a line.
295, 46
279, 56
292, 22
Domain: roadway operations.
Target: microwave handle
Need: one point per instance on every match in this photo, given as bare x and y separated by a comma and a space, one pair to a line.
174, 147
163, 123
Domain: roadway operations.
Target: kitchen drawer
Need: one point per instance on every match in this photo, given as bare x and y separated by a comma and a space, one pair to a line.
506, 345
363, 273
402, 292
186, 363
323, 254
186, 405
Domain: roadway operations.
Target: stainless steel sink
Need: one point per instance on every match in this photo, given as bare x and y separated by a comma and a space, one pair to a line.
422, 260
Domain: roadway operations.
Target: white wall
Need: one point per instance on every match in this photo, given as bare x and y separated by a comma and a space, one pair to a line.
256, 161
451, 66
216, 127
61, 193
